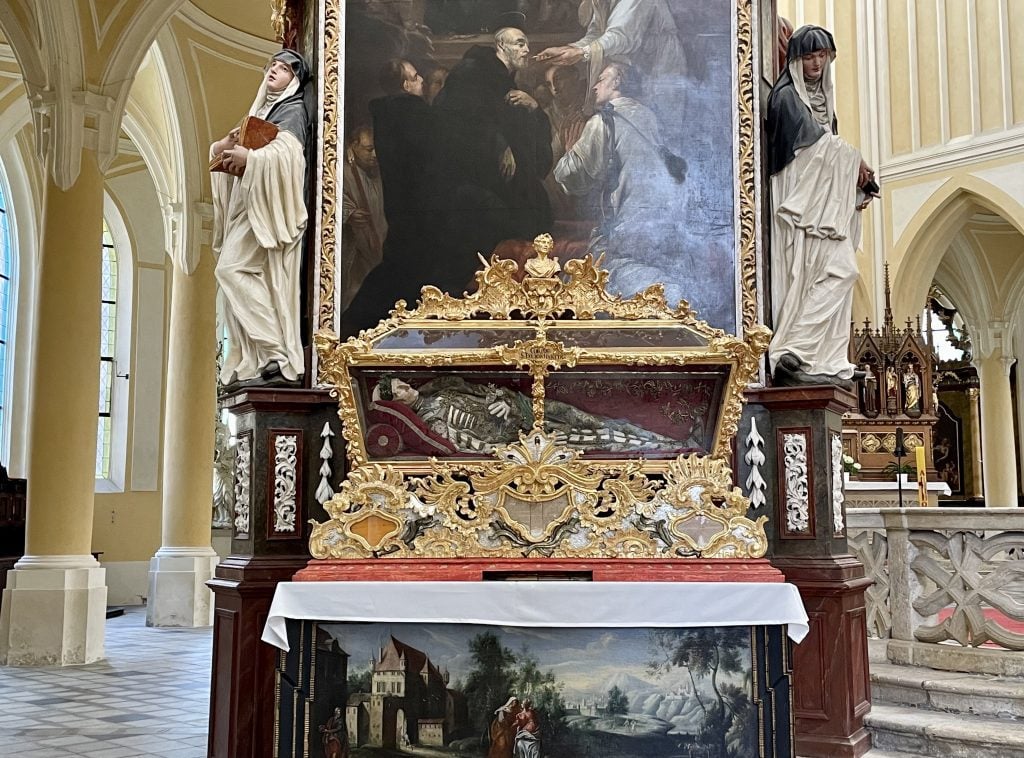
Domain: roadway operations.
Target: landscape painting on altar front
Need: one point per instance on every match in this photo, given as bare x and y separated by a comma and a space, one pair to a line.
471, 127
514, 692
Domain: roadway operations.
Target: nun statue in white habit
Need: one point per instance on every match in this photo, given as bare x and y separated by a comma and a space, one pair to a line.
819, 185
259, 215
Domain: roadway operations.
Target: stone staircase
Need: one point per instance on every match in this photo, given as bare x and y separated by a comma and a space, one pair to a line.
919, 712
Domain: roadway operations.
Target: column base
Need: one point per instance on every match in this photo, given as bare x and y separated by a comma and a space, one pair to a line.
54, 611
178, 595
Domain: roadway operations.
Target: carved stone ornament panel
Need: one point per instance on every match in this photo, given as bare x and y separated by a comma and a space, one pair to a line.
797, 501
243, 485
504, 384
285, 465
838, 526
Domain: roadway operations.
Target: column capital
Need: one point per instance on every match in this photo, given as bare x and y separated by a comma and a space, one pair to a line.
70, 121
993, 339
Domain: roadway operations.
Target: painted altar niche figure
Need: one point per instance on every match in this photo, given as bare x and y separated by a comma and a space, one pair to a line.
911, 391
478, 418
259, 216
819, 185
364, 226
892, 391
870, 390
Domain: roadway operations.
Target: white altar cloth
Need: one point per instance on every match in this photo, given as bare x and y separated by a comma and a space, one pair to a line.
553, 604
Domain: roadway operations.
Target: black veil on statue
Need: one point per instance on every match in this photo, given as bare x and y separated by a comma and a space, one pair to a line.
292, 113
790, 125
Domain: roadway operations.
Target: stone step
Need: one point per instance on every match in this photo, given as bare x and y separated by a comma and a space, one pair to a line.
889, 754
990, 696
900, 728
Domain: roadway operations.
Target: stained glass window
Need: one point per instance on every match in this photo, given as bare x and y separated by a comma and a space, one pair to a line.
108, 333
6, 281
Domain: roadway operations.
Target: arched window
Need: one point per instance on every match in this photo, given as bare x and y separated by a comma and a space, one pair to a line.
6, 310
108, 352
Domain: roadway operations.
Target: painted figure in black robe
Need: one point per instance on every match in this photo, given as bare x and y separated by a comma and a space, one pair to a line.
494, 151
402, 128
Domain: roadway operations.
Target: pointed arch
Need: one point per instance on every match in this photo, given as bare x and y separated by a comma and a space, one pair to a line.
932, 230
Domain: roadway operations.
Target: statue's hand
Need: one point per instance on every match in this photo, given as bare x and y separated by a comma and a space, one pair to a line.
229, 141
235, 159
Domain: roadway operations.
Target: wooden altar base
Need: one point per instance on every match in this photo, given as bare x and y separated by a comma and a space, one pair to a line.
831, 689
540, 569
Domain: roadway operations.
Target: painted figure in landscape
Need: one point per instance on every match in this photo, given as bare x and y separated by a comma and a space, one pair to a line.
259, 214
507, 692
503, 729
527, 732
503, 143
819, 186
334, 736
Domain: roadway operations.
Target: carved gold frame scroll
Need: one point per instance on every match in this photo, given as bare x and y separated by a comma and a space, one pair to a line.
538, 498
745, 146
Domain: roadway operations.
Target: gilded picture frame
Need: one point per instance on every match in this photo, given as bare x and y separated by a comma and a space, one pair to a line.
331, 159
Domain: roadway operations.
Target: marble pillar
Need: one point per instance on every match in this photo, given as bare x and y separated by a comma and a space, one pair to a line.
998, 446
178, 595
54, 607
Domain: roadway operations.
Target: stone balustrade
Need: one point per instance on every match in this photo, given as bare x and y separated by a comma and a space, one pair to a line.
943, 575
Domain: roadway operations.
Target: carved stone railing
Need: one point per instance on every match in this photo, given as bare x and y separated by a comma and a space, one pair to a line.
943, 575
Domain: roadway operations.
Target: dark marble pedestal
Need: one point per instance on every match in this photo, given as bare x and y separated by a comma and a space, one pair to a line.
276, 477
830, 667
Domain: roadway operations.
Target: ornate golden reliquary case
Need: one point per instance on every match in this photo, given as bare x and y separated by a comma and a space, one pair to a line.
540, 417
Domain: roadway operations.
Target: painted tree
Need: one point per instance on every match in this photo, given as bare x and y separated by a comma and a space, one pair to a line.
618, 703
491, 682
708, 654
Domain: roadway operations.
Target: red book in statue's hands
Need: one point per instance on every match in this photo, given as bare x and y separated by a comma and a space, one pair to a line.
253, 134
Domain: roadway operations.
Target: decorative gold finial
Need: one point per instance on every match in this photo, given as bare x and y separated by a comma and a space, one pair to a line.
279, 18
542, 266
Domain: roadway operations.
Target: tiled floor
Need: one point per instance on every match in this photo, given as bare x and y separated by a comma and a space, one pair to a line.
149, 697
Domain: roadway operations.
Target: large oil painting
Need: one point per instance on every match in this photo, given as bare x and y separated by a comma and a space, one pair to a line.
470, 126
513, 692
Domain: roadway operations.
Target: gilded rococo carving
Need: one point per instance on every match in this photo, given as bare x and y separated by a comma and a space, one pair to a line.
538, 496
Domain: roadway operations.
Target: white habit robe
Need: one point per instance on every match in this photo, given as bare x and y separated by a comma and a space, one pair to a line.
815, 234
259, 219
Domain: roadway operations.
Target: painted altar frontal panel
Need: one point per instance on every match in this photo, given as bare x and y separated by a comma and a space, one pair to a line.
643, 167
472, 690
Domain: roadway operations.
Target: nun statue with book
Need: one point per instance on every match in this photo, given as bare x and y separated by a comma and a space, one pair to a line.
819, 186
259, 215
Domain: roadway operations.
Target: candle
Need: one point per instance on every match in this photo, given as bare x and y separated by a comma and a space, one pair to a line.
922, 476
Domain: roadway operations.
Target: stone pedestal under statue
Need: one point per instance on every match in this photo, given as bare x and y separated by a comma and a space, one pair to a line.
280, 436
802, 429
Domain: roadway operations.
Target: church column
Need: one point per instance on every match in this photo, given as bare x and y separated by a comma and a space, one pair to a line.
998, 448
54, 607
178, 595
977, 490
